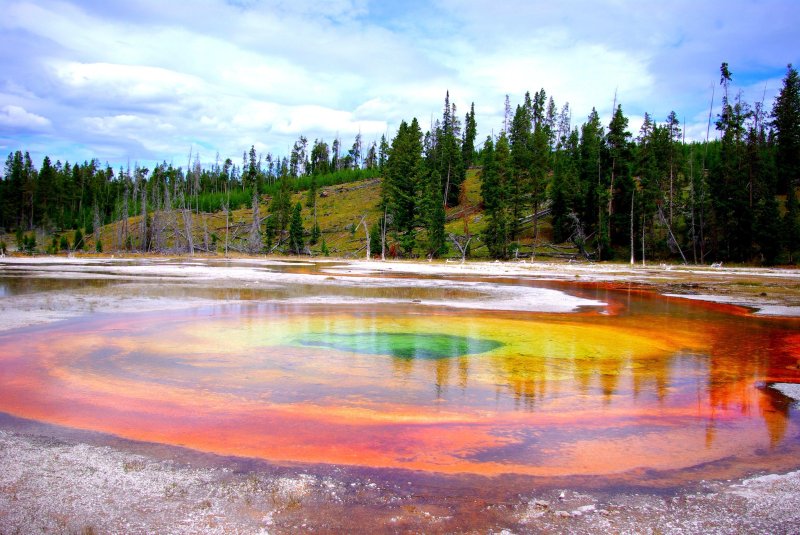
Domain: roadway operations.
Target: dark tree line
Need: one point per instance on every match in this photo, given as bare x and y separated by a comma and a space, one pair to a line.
424, 176
57, 197
610, 192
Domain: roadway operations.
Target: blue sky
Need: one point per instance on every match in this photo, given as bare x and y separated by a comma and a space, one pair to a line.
145, 81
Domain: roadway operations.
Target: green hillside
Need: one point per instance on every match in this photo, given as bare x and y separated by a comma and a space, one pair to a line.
339, 213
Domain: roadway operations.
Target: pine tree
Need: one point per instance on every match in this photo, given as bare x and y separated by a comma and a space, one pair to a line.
281, 204
298, 161
13, 192
791, 226
432, 211
315, 234
647, 170
400, 184
762, 188
77, 242
383, 154
507, 115
495, 193
618, 194
728, 178
270, 229
565, 192
371, 160
375, 236
591, 147
311, 196
250, 176
674, 134
540, 166
44, 193
355, 152
296, 230
468, 143
768, 228
520, 141
786, 122
336, 147
550, 126
30, 242
448, 160
320, 163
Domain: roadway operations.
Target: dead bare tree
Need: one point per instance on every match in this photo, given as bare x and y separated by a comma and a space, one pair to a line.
671, 235
206, 243
175, 221
226, 208
97, 225
227, 227
578, 236
122, 228
186, 214
254, 239
366, 232
167, 217
462, 242
143, 222
156, 239
188, 229
197, 171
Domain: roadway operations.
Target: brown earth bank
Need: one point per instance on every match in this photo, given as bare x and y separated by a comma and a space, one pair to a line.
58, 480
65, 481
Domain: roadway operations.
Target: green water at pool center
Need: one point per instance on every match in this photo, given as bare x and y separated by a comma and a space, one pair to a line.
402, 345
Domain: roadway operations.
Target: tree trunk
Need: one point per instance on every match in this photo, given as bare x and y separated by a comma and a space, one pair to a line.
227, 228
366, 233
143, 198
633, 198
187, 224
671, 235
643, 264
670, 189
383, 236
462, 248
447, 186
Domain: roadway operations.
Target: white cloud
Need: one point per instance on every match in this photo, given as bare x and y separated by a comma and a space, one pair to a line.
17, 117
299, 120
599, 73
126, 83
154, 78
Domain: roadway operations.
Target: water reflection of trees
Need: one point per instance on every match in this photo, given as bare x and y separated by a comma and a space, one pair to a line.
723, 378
717, 377
741, 358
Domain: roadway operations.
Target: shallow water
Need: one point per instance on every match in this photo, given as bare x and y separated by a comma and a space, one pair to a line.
641, 386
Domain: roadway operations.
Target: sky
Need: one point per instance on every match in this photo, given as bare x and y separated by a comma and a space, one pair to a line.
151, 80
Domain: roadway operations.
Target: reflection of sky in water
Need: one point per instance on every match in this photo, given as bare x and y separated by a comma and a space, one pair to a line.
658, 385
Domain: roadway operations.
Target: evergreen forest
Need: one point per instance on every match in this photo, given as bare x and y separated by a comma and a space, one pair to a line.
541, 184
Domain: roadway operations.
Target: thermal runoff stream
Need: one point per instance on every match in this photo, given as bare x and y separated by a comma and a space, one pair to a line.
640, 384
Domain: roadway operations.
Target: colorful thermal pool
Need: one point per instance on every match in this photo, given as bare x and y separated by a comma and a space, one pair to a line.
644, 384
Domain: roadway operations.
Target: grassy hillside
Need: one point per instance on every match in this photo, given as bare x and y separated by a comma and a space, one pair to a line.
340, 208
